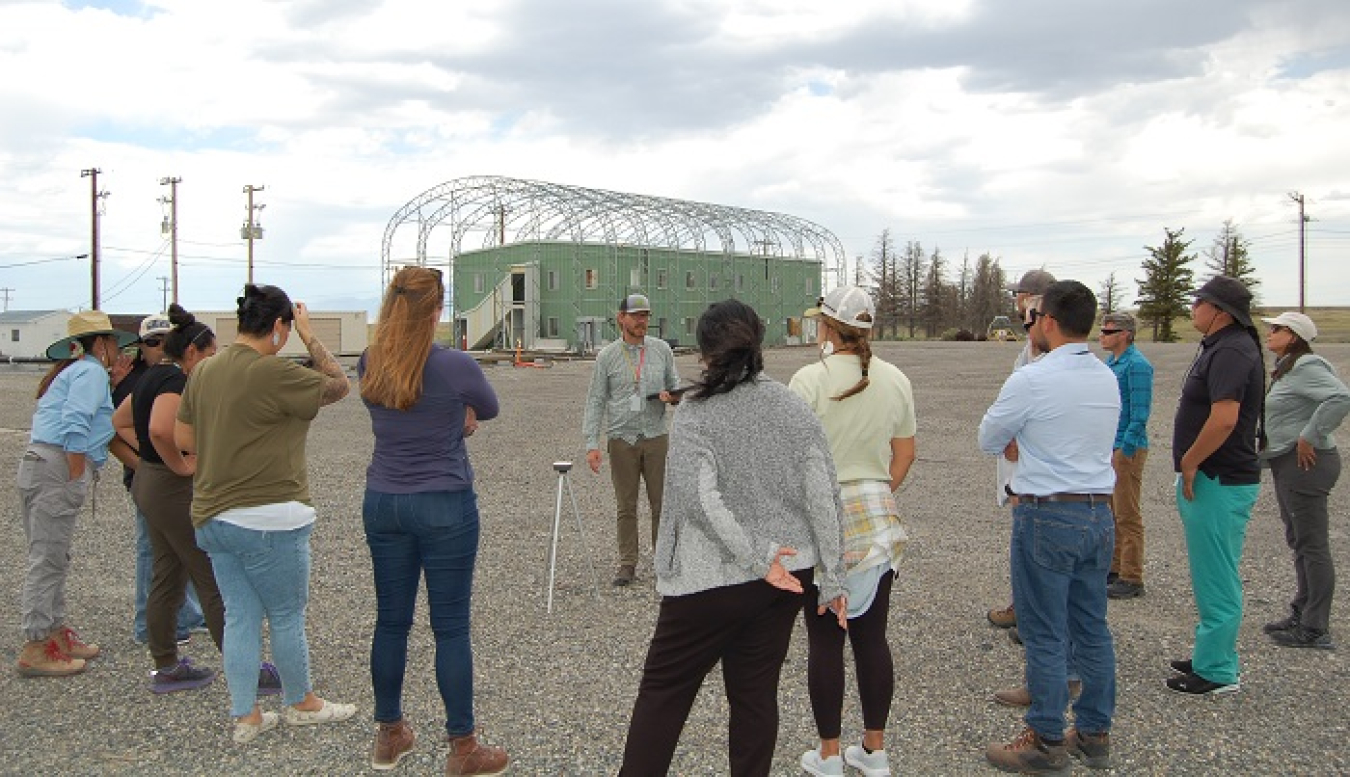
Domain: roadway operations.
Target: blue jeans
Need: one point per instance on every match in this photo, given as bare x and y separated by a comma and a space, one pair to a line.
435, 533
261, 574
1061, 552
189, 615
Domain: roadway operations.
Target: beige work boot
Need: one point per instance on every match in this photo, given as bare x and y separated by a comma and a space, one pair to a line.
44, 658
72, 645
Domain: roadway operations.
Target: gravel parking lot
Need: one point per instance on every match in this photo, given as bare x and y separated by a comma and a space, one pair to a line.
556, 689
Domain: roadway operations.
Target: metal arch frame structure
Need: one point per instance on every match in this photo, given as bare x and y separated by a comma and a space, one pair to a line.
511, 210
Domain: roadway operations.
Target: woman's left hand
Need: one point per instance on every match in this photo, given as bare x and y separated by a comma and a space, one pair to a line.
779, 577
1307, 455
840, 606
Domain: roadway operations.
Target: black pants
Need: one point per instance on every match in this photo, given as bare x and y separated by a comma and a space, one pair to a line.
871, 654
747, 627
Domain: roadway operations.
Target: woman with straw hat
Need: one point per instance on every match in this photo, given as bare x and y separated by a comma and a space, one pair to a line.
69, 442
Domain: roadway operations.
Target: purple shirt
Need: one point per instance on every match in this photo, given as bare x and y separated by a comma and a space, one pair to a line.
422, 449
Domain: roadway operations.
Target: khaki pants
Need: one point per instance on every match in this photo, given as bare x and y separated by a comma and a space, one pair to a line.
1128, 561
645, 460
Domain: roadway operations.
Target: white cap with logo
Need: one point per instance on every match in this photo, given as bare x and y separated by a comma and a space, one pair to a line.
848, 305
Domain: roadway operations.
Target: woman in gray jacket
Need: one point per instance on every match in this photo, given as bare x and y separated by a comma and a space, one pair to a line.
751, 507
1305, 403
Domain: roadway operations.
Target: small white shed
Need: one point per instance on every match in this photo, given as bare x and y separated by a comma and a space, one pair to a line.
27, 333
343, 332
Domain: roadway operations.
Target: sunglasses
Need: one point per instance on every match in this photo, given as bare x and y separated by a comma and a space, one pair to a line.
1107, 332
1278, 328
153, 342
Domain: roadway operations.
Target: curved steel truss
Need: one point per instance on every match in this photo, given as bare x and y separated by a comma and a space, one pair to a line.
490, 211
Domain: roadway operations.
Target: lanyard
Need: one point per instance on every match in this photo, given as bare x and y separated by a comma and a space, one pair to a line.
637, 371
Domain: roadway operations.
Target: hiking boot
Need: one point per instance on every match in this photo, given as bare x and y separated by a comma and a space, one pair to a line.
1029, 754
1124, 589
813, 763
625, 574
183, 676
1301, 636
44, 658
269, 680
1005, 618
1112, 577
873, 764
71, 644
469, 757
1182, 666
1196, 685
1021, 695
1284, 624
1094, 750
392, 742
1014, 637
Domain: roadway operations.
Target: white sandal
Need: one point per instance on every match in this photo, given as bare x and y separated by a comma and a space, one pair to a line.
247, 732
330, 712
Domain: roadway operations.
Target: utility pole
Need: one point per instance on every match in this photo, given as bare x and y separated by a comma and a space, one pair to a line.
170, 227
6, 292
94, 196
1302, 257
164, 291
251, 230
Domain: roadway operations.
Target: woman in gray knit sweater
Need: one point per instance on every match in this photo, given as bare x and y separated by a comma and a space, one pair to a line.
1305, 403
751, 512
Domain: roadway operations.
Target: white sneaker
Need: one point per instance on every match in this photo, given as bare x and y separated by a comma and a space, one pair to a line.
871, 764
822, 767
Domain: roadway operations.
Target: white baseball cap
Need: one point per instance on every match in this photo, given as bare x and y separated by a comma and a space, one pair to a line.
1297, 323
847, 305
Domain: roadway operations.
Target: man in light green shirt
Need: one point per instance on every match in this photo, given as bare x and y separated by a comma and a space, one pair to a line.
626, 405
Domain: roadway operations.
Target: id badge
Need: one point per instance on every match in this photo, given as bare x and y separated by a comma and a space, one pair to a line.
635, 404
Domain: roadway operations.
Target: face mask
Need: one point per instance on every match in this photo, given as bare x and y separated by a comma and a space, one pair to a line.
827, 348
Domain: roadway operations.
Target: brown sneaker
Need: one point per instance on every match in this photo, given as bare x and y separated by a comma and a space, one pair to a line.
73, 646
1021, 695
1005, 618
1028, 754
392, 742
468, 757
45, 659
625, 574
1094, 750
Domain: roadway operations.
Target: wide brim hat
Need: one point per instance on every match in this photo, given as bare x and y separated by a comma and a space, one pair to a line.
1230, 296
1298, 323
89, 323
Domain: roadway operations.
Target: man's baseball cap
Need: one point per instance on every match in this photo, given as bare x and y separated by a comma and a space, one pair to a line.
635, 303
1033, 282
1119, 321
156, 324
848, 305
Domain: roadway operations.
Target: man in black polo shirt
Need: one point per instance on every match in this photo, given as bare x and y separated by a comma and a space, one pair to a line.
1214, 450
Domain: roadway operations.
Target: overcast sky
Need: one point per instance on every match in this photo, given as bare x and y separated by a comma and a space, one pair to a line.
1063, 133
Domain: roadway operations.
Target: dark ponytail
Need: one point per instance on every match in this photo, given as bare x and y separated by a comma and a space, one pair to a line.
729, 334
260, 307
187, 330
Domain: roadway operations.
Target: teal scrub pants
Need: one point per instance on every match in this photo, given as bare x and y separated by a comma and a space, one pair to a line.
1216, 525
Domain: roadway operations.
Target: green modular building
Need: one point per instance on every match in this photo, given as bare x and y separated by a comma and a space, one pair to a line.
543, 266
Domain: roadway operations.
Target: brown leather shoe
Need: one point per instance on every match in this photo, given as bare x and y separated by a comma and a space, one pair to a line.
44, 658
392, 742
1029, 754
1021, 696
1005, 618
71, 644
469, 757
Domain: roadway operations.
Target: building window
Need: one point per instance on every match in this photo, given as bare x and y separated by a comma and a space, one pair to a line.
552, 326
810, 286
14, 335
635, 278
689, 326
660, 279
478, 283
740, 283
592, 278
552, 280
661, 327
712, 281
774, 284
690, 281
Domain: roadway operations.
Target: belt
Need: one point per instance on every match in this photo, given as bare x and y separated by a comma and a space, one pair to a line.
1089, 498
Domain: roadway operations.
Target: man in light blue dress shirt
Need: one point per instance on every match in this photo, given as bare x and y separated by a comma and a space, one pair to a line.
1057, 417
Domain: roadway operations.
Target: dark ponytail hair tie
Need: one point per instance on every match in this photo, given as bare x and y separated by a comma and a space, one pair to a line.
864, 371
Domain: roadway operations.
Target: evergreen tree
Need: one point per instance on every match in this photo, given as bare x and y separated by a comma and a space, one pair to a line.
988, 293
911, 268
934, 304
1231, 255
1110, 295
887, 295
1164, 290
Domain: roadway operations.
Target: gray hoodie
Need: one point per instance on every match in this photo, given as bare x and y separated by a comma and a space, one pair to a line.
747, 472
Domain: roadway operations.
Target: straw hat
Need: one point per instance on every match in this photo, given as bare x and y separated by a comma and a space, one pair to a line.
88, 323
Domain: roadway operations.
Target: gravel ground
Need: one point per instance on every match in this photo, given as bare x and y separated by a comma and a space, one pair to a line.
557, 689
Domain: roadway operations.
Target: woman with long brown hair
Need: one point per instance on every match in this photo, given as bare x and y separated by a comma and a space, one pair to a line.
867, 408
421, 513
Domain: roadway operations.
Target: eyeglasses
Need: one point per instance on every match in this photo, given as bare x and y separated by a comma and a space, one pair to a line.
1109, 332
153, 342
1278, 328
